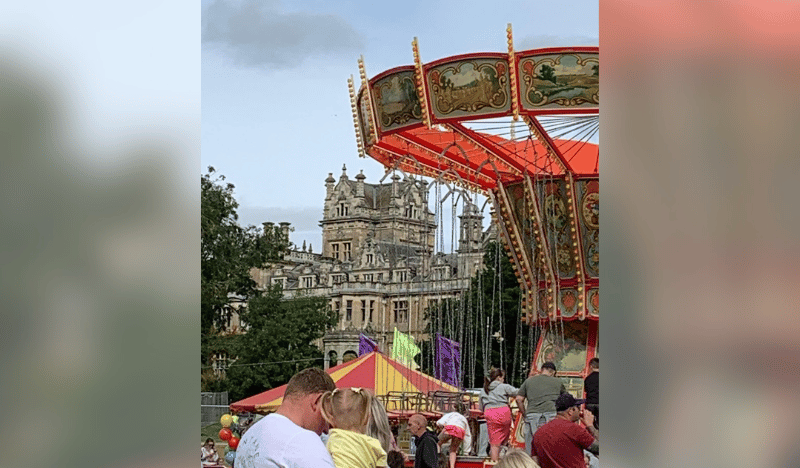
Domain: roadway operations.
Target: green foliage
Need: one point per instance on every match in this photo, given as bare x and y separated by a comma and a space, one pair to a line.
280, 335
228, 252
278, 330
547, 73
595, 70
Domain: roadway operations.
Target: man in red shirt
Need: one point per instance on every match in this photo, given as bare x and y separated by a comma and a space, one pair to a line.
560, 442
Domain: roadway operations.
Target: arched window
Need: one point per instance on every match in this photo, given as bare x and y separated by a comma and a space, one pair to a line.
333, 359
348, 356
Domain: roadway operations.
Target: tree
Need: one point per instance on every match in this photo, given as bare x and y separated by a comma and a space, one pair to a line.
279, 341
227, 254
547, 73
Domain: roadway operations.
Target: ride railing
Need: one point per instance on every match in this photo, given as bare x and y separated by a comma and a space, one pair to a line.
401, 405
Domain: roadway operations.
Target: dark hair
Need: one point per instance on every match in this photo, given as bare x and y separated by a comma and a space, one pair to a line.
494, 373
594, 362
209, 440
394, 459
460, 407
309, 381
549, 365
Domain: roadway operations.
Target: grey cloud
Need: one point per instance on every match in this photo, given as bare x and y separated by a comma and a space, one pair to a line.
257, 32
549, 40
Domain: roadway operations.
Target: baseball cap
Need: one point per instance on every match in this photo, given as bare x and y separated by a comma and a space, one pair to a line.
566, 401
549, 365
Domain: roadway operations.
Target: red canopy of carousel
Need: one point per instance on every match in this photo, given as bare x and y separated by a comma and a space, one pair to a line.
481, 159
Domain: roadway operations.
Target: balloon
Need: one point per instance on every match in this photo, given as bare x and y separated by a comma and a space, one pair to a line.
235, 419
233, 442
225, 420
225, 433
230, 456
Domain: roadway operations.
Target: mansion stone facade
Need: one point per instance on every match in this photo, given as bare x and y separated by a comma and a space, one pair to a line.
378, 264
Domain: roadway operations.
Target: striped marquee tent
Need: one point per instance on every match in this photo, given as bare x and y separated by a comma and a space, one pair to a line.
375, 371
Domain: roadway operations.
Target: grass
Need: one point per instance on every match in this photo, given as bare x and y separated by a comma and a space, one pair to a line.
212, 430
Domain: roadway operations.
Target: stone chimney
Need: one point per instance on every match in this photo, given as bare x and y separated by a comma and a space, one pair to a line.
329, 185
395, 186
285, 229
360, 184
344, 173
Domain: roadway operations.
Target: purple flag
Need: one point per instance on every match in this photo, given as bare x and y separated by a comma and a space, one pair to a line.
366, 345
448, 361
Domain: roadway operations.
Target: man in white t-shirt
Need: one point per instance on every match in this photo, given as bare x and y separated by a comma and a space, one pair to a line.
289, 438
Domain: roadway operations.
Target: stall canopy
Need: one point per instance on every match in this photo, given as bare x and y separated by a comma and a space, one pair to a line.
375, 371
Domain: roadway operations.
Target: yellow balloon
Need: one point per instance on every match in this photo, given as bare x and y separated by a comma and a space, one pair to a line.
226, 420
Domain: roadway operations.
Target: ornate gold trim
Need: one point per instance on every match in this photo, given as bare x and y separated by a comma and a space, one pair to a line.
421, 91
356, 124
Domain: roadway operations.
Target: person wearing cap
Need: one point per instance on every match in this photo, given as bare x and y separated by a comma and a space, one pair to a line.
560, 443
540, 391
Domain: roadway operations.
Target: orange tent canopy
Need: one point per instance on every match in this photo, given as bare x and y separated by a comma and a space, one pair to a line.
375, 371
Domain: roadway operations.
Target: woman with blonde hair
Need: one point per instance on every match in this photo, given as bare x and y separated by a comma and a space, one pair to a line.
494, 404
378, 426
516, 459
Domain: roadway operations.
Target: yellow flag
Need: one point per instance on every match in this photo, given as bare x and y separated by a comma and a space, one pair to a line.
404, 349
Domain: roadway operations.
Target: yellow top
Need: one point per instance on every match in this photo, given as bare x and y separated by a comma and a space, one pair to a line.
353, 450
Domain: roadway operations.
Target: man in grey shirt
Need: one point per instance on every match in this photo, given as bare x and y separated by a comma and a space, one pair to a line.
540, 391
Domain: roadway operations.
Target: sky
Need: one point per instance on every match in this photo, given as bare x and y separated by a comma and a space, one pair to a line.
276, 115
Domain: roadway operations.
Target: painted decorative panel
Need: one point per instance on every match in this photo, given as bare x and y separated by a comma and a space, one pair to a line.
593, 302
363, 117
516, 196
542, 301
568, 302
396, 101
587, 193
560, 81
555, 225
471, 87
565, 345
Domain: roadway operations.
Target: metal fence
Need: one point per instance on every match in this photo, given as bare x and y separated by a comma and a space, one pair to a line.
212, 407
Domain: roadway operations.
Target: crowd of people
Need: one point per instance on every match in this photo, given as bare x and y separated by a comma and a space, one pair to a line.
319, 425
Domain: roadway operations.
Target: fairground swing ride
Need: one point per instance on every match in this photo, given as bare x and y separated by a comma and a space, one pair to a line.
520, 128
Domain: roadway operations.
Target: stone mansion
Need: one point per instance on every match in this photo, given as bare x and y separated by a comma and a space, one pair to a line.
378, 264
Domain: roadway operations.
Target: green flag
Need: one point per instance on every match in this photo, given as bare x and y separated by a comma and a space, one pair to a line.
404, 349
